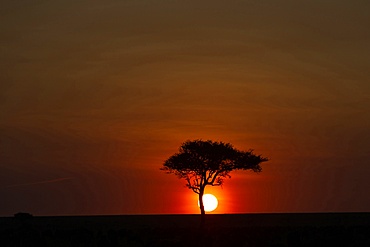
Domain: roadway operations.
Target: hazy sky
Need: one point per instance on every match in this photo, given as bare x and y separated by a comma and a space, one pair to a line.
95, 95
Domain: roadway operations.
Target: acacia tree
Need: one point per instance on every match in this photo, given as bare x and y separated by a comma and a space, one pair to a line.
203, 163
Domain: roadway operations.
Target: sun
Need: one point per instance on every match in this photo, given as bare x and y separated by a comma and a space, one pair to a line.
210, 202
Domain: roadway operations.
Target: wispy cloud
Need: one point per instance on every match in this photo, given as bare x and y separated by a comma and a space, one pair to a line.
40, 182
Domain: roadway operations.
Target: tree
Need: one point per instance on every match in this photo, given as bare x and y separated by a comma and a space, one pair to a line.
203, 163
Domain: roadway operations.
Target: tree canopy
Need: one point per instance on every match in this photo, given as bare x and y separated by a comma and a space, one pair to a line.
203, 163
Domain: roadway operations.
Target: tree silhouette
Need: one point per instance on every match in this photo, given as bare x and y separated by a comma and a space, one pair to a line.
203, 163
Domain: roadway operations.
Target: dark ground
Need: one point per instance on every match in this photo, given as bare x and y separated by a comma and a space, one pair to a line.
315, 229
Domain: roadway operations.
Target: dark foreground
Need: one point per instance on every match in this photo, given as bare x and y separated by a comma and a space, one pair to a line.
326, 229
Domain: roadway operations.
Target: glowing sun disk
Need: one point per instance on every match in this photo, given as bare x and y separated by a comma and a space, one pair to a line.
210, 202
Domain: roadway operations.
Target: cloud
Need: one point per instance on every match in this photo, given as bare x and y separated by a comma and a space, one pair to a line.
40, 182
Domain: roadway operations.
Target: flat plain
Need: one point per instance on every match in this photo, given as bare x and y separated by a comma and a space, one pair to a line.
277, 229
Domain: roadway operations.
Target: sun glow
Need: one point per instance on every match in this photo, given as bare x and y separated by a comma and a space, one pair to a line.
210, 202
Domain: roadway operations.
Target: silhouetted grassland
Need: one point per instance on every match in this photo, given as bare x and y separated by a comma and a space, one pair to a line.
326, 229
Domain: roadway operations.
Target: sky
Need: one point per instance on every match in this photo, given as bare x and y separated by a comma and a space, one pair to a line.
96, 95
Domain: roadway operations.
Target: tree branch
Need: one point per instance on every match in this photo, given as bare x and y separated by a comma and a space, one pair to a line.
214, 178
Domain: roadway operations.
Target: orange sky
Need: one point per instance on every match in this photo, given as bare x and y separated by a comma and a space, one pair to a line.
95, 95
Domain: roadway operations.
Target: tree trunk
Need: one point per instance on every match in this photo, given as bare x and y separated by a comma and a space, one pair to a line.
201, 206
